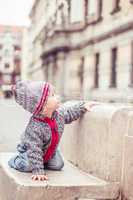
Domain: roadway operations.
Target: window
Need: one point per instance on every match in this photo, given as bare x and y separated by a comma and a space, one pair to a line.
54, 69
7, 65
52, 7
93, 10
100, 8
17, 48
7, 53
80, 74
1, 46
92, 7
96, 70
81, 71
113, 81
1, 78
76, 11
59, 17
64, 5
116, 6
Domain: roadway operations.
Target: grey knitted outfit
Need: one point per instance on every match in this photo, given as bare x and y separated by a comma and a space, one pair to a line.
37, 136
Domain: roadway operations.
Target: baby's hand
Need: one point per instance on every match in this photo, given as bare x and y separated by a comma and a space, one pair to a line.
39, 177
88, 105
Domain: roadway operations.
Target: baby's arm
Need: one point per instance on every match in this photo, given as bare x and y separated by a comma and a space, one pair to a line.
35, 154
74, 110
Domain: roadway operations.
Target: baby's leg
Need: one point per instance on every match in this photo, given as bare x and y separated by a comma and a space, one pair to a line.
20, 163
56, 162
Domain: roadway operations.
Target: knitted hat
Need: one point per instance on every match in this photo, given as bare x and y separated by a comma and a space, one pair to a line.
31, 95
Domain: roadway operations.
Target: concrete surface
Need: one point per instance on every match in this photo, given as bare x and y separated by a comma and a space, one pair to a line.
96, 141
68, 184
127, 176
13, 120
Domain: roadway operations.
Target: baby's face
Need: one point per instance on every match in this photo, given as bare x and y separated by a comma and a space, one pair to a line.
53, 101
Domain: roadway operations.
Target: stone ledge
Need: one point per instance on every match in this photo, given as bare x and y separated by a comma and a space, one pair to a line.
127, 178
98, 138
68, 184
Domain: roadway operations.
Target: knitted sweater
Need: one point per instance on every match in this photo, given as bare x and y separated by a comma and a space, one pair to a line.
37, 135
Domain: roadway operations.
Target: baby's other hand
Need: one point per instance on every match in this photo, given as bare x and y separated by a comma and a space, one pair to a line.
88, 105
39, 177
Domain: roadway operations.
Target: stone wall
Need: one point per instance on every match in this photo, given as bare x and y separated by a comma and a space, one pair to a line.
101, 144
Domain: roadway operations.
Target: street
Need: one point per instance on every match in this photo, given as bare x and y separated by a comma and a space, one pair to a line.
13, 120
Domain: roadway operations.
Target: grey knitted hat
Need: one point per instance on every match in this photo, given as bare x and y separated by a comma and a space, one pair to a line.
31, 95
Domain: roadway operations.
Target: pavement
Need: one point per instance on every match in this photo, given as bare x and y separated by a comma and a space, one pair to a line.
13, 120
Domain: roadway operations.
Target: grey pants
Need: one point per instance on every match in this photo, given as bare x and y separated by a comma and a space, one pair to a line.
20, 162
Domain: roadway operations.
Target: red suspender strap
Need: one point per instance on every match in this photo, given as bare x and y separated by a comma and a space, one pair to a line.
54, 139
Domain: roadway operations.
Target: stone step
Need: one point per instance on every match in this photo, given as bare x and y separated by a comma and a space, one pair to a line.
68, 184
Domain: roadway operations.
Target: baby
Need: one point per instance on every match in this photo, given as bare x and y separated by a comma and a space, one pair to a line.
38, 149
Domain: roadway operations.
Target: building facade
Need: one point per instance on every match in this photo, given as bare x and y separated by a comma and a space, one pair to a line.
84, 47
10, 54
25, 57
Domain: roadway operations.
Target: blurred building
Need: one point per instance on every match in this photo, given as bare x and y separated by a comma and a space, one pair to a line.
10, 54
25, 57
84, 47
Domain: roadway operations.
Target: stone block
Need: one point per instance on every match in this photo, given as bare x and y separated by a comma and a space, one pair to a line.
127, 175
68, 184
96, 141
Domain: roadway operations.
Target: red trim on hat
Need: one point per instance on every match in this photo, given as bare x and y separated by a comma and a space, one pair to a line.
13, 89
43, 98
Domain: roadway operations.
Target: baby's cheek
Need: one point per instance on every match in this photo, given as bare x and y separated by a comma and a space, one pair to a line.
55, 105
